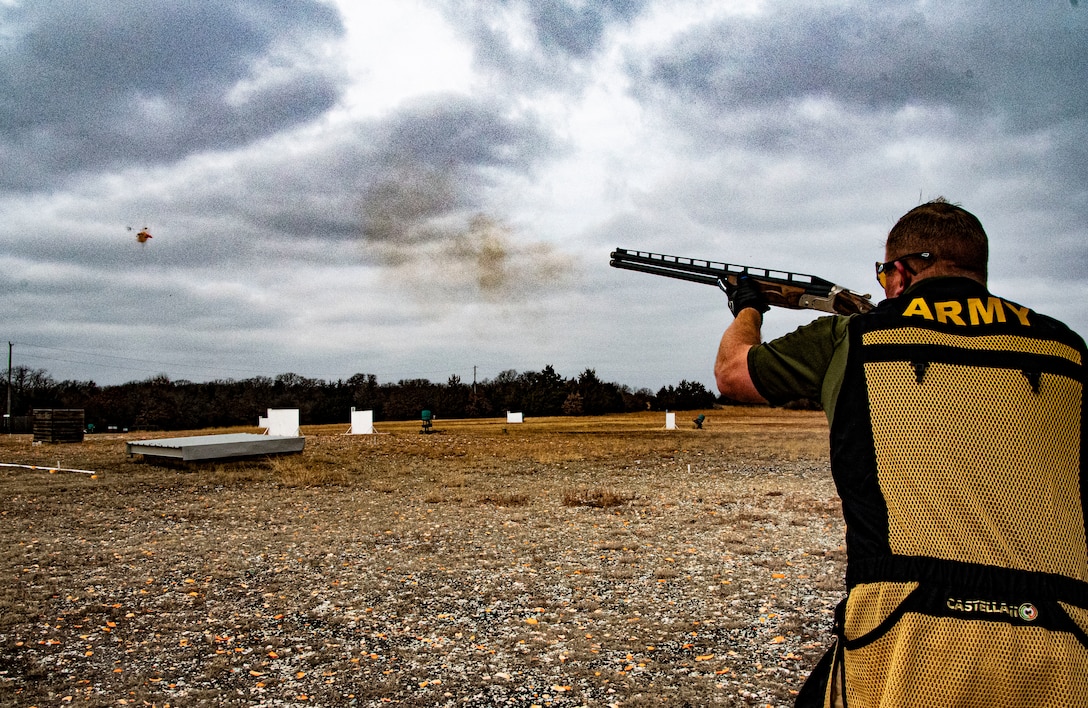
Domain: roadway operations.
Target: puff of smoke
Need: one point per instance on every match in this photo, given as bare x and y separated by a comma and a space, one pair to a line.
478, 261
416, 226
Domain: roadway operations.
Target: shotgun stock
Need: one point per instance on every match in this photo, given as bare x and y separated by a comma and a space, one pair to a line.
795, 291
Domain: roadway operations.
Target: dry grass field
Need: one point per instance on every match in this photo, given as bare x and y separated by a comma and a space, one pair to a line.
558, 562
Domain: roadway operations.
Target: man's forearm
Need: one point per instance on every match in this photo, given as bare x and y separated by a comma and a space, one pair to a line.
731, 365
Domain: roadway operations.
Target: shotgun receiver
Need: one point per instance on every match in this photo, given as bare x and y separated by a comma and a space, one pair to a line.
795, 291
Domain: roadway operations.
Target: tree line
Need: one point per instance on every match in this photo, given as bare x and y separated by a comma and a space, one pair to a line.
158, 403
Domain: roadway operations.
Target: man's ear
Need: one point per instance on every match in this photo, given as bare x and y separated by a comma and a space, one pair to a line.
904, 280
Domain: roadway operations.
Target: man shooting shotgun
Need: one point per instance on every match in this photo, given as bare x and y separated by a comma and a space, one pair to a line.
957, 424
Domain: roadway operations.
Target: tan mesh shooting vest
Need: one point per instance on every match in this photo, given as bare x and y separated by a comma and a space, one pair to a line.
957, 452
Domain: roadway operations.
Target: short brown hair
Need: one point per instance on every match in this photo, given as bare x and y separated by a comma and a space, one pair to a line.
952, 234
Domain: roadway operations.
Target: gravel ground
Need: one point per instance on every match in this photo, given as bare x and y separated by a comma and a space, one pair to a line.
466, 568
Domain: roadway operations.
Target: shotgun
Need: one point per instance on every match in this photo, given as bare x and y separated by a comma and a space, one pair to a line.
795, 291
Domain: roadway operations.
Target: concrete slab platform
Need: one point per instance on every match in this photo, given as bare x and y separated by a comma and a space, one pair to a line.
216, 447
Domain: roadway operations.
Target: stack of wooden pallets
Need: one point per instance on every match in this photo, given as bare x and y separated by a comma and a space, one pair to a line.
58, 425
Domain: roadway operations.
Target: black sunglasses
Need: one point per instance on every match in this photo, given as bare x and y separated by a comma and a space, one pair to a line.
883, 268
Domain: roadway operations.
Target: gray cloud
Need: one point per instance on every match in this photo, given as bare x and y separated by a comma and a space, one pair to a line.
882, 59
400, 178
437, 154
564, 36
450, 131
377, 178
858, 102
879, 61
576, 29
87, 85
424, 208
399, 206
409, 193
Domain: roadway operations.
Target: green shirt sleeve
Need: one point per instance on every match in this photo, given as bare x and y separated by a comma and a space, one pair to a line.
806, 363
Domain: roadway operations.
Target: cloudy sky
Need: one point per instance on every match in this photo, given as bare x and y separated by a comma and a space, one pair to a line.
431, 188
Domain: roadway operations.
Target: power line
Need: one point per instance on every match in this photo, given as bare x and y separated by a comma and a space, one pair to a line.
118, 362
152, 366
111, 356
147, 365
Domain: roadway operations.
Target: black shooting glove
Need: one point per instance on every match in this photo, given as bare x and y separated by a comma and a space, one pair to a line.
744, 294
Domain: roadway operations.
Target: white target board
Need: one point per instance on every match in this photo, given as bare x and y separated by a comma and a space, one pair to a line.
362, 422
281, 422
515, 417
670, 420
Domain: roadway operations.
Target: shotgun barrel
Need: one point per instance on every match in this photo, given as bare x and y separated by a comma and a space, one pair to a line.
795, 291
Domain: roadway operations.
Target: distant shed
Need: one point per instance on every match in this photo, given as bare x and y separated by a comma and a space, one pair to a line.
58, 425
